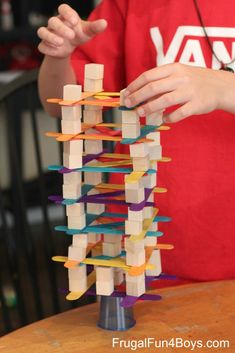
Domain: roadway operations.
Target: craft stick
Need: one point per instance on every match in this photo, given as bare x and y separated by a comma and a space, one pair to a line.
146, 225
91, 278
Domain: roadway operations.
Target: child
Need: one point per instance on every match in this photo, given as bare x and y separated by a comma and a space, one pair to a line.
168, 55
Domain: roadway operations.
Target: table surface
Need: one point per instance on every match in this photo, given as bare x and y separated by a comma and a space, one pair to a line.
202, 311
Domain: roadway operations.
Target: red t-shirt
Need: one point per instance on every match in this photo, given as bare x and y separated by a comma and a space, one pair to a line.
201, 177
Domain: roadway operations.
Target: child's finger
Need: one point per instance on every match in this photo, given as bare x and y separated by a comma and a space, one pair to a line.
58, 27
69, 14
50, 37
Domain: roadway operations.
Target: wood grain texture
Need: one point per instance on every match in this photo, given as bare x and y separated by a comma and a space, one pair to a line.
204, 311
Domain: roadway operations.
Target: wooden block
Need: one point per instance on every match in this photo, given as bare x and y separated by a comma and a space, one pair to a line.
154, 136
93, 147
72, 178
94, 208
155, 152
72, 161
150, 180
122, 97
130, 117
94, 238
134, 196
135, 215
130, 130
154, 119
73, 147
80, 240
112, 238
78, 285
94, 71
140, 164
154, 227
91, 85
135, 259
135, 289
77, 209
93, 178
133, 186
78, 272
71, 113
151, 197
92, 107
92, 116
72, 92
155, 259
150, 241
104, 288
111, 249
72, 127
118, 276
76, 254
148, 212
104, 273
135, 279
77, 222
139, 150
72, 191
133, 227
133, 246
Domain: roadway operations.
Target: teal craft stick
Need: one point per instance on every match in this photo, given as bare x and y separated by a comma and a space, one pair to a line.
154, 234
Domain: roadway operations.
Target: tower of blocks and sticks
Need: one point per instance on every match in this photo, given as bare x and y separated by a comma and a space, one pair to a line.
125, 254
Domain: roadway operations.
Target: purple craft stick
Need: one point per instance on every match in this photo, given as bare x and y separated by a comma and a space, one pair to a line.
55, 198
128, 301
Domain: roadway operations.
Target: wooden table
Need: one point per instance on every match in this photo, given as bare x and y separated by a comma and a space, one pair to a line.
204, 311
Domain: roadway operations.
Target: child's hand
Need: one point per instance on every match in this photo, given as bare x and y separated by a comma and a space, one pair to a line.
66, 31
194, 90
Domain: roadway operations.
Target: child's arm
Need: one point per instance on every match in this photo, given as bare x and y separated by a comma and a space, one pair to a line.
58, 40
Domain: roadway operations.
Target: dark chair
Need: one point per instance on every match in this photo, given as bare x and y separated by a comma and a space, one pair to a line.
29, 280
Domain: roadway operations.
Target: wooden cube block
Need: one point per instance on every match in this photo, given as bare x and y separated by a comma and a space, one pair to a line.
139, 150
112, 238
76, 254
155, 152
93, 147
133, 227
111, 249
130, 130
135, 289
104, 273
75, 210
154, 119
141, 164
78, 285
72, 161
93, 178
130, 117
91, 85
118, 276
134, 196
73, 147
148, 212
71, 113
94, 238
155, 259
92, 107
71, 127
150, 241
155, 136
94, 208
150, 180
80, 240
72, 178
133, 246
135, 259
133, 186
78, 272
104, 288
135, 215
135, 279
154, 227
151, 197
72, 191
92, 117
77, 222
94, 71
72, 92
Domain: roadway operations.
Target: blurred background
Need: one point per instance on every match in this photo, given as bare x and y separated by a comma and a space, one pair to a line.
32, 287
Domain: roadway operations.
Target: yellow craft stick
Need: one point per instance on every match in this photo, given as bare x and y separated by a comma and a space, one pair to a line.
146, 225
138, 270
59, 258
111, 164
134, 177
122, 187
116, 155
91, 278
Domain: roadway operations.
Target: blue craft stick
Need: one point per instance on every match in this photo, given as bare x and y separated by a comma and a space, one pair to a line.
154, 234
162, 219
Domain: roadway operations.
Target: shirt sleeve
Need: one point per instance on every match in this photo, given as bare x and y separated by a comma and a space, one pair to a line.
106, 48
